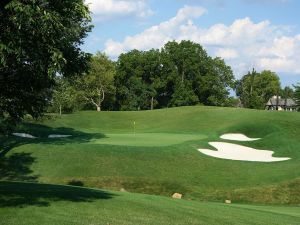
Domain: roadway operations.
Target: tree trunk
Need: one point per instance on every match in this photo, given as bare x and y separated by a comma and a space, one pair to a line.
277, 102
98, 108
152, 101
60, 110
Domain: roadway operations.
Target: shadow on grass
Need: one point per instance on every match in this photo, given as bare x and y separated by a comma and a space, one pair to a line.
18, 194
76, 183
41, 132
17, 167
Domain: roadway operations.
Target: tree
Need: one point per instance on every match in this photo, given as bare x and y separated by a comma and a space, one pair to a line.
137, 80
64, 96
255, 89
38, 40
287, 92
297, 93
177, 75
95, 86
215, 83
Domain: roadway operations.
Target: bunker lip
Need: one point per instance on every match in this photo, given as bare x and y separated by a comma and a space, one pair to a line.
241, 153
237, 137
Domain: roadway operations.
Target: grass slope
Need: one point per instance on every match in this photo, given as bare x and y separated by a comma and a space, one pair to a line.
30, 204
161, 157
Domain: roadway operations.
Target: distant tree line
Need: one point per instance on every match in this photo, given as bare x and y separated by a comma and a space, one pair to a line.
179, 74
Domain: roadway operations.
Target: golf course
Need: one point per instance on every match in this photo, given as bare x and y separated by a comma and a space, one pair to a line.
123, 167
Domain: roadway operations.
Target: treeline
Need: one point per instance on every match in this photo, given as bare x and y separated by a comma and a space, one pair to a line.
178, 74
255, 89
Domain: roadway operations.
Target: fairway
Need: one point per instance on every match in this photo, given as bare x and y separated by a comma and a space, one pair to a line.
146, 139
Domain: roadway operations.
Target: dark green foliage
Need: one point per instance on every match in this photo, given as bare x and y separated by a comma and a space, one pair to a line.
287, 92
255, 89
297, 93
179, 74
38, 39
136, 79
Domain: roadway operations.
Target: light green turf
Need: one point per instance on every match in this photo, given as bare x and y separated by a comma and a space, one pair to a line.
171, 163
35, 204
146, 139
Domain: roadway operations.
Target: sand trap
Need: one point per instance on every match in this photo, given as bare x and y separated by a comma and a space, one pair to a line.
23, 135
58, 136
237, 137
239, 152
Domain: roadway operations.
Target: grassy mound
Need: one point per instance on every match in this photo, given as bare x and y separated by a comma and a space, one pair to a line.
158, 155
27, 203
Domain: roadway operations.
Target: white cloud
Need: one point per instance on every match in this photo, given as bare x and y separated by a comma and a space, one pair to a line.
243, 44
111, 9
281, 55
227, 53
155, 36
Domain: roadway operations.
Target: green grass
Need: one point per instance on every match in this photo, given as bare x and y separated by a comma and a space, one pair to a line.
35, 204
162, 157
146, 139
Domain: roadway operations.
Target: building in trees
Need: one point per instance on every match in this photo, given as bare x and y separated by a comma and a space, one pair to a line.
280, 104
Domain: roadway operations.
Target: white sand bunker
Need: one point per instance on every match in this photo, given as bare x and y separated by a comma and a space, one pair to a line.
239, 152
237, 137
58, 136
23, 135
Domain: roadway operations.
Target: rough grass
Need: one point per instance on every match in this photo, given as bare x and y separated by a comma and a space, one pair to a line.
30, 204
162, 157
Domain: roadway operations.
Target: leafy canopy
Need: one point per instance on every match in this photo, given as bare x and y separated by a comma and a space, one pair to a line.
177, 75
38, 40
255, 89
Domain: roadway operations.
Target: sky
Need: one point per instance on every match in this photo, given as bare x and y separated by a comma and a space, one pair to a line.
260, 34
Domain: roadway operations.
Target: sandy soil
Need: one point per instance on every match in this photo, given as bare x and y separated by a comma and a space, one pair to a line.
237, 137
23, 135
239, 152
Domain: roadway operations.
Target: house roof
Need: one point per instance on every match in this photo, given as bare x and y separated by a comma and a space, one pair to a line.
282, 102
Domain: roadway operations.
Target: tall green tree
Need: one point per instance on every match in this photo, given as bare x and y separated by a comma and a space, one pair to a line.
255, 89
98, 84
38, 40
137, 80
177, 75
297, 93
287, 92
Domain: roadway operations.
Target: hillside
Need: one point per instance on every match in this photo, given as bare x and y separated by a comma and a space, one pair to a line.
159, 154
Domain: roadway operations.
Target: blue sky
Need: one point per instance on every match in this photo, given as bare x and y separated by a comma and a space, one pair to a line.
264, 34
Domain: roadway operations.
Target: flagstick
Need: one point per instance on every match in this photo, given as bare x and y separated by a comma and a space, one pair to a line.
134, 128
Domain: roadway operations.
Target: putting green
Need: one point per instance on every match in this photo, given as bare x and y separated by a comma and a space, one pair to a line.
147, 139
